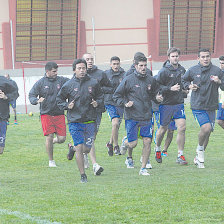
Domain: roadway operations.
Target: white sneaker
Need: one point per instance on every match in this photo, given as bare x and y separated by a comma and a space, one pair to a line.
52, 163
86, 161
144, 172
148, 164
199, 164
129, 162
201, 156
123, 148
97, 169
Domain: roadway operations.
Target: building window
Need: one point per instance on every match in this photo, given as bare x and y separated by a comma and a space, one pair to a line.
192, 25
46, 30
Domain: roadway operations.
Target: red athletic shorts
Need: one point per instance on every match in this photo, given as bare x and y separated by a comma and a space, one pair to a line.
53, 124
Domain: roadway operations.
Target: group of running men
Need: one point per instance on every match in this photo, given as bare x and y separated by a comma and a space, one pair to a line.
137, 95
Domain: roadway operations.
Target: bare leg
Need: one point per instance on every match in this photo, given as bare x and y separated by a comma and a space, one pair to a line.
221, 123
1, 150
115, 129
204, 134
169, 138
181, 127
59, 139
160, 135
146, 151
93, 154
49, 146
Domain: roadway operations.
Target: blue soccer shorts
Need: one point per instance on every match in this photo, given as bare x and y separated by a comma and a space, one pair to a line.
114, 111
83, 133
169, 112
3, 128
204, 117
220, 113
172, 125
136, 128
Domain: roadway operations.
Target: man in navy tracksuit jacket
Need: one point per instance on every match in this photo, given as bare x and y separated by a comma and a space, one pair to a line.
115, 74
204, 80
99, 75
44, 92
172, 107
135, 93
81, 97
8, 92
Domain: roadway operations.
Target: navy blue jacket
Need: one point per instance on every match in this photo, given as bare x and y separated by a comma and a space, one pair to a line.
82, 91
167, 77
104, 82
11, 92
139, 89
206, 96
115, 80
47, 88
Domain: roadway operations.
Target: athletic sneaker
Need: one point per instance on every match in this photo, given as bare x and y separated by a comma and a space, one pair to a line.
181, 160
52, 163
199, 160
123, 148
71, 151
158, 157
144, 172
164, 153
110, 149
15, 122
83, 178
129, 162
86, 161
97, 169
117, 150
148, 164
199, 164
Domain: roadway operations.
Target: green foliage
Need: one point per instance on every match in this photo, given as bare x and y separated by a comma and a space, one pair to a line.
31, 192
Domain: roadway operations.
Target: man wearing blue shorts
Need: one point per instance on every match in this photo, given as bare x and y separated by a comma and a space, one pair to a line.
115, 75
94, 72
13, 101
81, 96
204, 80
220, 111
135, 93
172, 107
7, 92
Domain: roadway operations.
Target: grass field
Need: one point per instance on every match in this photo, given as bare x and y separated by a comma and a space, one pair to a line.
30, 192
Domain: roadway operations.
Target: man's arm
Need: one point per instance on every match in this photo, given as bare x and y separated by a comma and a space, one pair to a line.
34, 93
119, 95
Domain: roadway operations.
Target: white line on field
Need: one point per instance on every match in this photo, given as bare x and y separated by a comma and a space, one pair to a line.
26, 216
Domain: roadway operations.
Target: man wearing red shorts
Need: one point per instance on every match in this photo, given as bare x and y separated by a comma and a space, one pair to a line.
44, 92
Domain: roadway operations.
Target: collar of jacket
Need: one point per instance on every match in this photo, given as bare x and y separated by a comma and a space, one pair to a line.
93, 69
118, 72
141, 76
205, 68
50, 79
86, 77
167, 64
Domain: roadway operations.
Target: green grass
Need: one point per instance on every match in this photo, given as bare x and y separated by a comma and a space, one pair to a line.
30, 192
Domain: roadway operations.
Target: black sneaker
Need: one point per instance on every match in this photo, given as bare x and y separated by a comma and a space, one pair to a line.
117, 150
110, 149
71, 151
158, 157
83, 178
